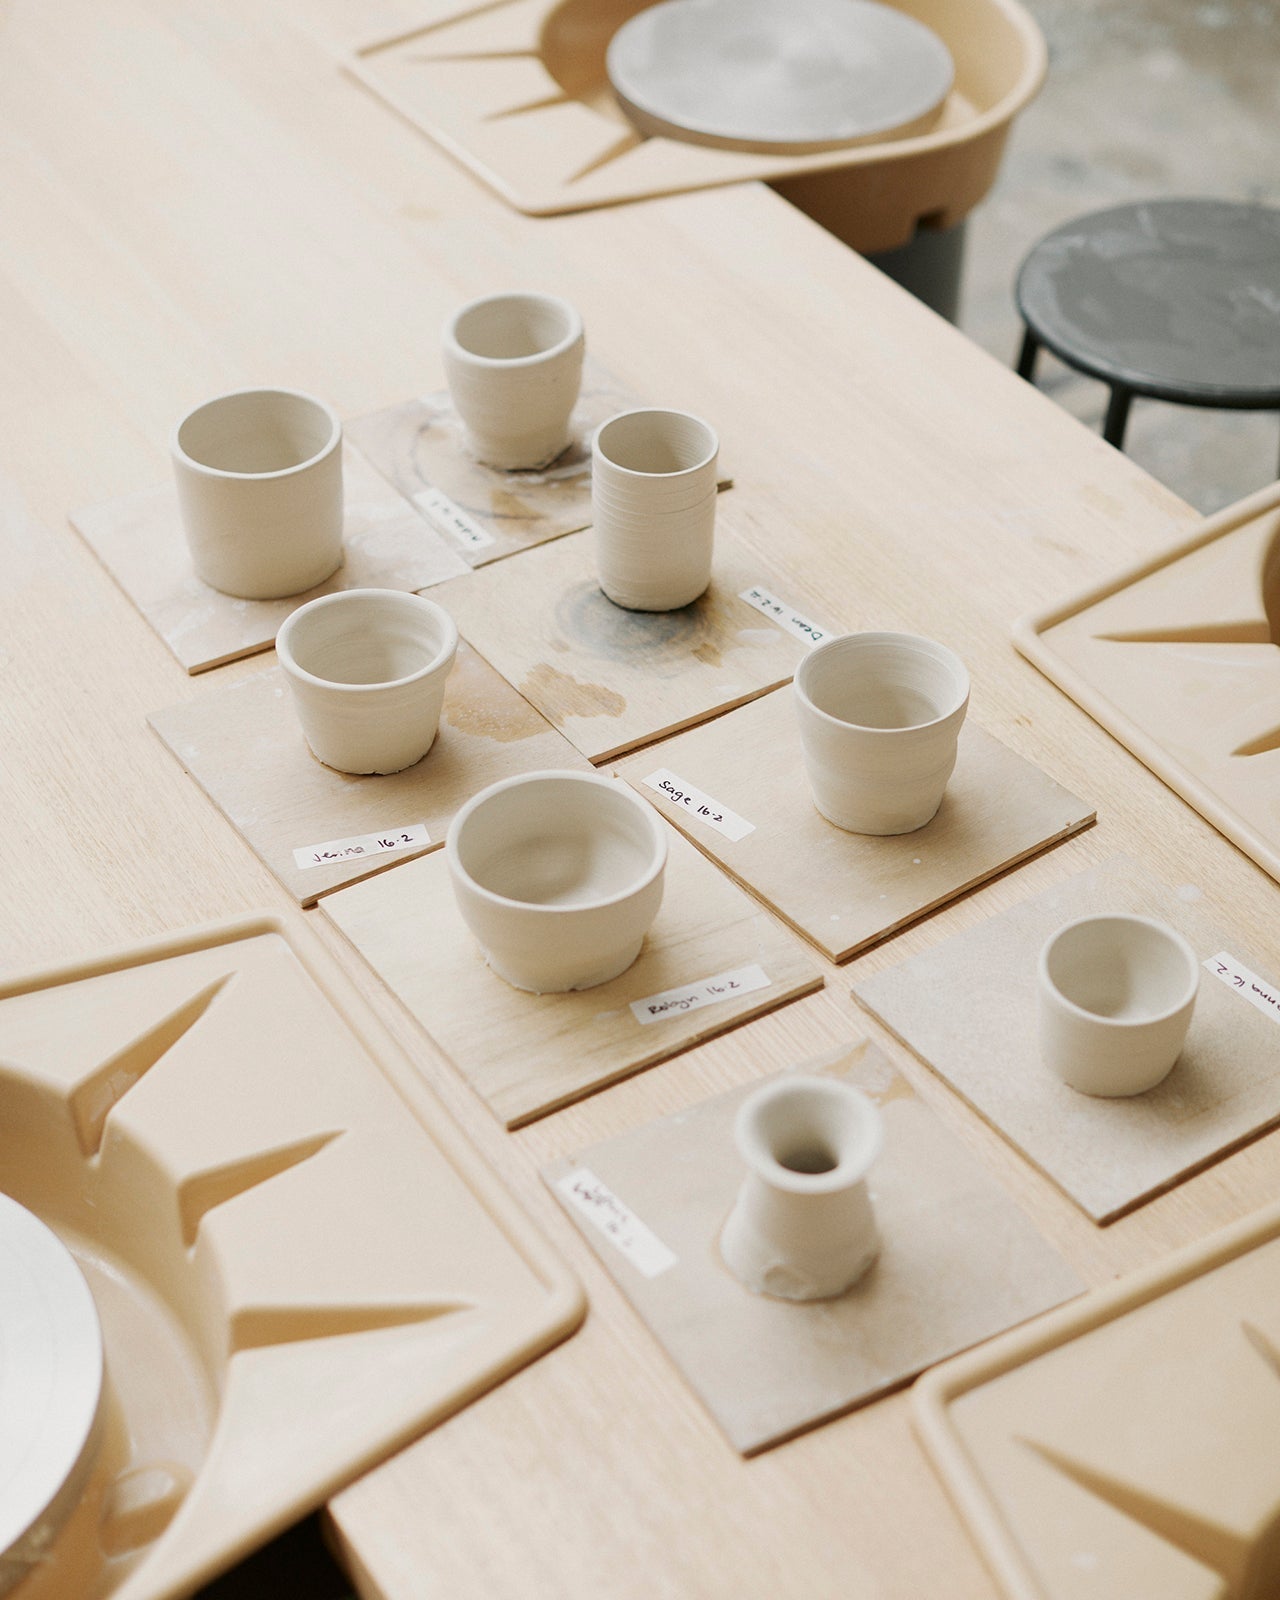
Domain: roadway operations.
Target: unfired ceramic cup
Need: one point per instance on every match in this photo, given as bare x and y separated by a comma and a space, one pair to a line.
558, 875
514, 368
259, 479
1115, 997
803, 1227
653, 502
367, 668
879, 717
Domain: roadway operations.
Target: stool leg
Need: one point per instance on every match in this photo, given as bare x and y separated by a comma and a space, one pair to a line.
1027, 356
1117, 416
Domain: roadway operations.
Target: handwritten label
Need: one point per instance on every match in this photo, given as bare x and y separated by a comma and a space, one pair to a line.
619, 1224
699, 805
452, 520
364, 844
785, 616
724, 986
1257, 991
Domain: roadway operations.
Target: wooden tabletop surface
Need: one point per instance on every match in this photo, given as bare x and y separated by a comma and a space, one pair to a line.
194, 198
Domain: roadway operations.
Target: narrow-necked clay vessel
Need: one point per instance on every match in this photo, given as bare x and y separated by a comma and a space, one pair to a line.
1115, 997
368, 668
514, 367
558, 875
879, 717
803, 1227
259, 479
653, 501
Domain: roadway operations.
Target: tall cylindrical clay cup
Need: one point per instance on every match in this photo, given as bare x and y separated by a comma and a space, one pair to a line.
367, 669
1115, 996
513, 363
259, 481
559, 876
803, 1226
653, 502
879, 717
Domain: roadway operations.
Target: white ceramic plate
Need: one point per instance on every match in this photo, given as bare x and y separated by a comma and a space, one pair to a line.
50, 1380
779, 76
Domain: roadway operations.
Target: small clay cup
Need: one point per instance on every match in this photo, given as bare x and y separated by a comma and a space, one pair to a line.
653, 502
879, 717
803, 1227
259, 480
367, 668
1115, 997
514, 368
558, 875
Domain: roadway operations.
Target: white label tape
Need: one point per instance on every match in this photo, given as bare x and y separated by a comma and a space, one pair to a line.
364, 844
619, 1224
1257, 991
451, 519
698, 805
785, 616
709, 992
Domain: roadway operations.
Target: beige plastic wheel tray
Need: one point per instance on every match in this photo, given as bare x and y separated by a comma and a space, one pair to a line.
296, 1263
1179, 658
517, 91
1125, 1446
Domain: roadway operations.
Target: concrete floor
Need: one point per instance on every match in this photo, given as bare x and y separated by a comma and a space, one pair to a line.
1145, 98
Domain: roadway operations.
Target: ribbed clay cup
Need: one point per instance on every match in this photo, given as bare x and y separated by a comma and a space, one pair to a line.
653, 503
1115, 995
879, 717
803, 1227
259, 479
514, 367
367, 668
558, 875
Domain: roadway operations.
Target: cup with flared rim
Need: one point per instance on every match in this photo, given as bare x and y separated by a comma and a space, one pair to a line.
258, 474
879, 716
367, 669
803, 1226
559, 876
513, 363
1115, 997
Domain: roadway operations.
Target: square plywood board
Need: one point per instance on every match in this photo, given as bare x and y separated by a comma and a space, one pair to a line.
517, 91
318, 829
968, 1009
711, 960
844, 890
387, 545
1125, 1445
271, 1211
483, 512
959, 1261
611, 679
1180, 660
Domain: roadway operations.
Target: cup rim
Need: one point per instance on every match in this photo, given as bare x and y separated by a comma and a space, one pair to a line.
287, 660
332, 443
1171, 935
513, 363
938, 651
615, 786
598, 454
853, 1169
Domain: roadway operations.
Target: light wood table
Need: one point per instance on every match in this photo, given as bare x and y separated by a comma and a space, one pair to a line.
195, 198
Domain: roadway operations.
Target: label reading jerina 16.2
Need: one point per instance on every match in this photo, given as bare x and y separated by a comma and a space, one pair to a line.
785, 616
335, 851
706, 992
698, 805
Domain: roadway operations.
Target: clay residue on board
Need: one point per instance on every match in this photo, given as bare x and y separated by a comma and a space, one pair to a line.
709, 654
561, 696
661, 641
475, 706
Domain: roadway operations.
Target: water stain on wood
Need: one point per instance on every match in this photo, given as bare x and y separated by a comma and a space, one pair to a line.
561, 695
473, 707
662, 641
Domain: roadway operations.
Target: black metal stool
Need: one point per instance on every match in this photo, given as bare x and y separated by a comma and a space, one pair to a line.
1173, 299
